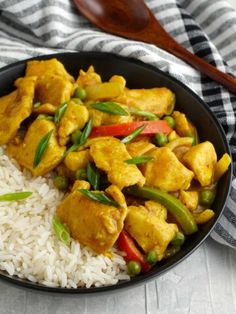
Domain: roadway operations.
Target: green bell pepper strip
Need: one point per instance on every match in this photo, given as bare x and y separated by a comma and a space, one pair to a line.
172, 204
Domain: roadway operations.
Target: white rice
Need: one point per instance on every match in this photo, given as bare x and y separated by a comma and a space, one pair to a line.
28, 246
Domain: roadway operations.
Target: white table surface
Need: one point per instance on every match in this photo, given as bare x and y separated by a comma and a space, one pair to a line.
204, 283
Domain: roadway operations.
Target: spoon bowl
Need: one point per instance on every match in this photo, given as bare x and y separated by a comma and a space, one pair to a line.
134, 20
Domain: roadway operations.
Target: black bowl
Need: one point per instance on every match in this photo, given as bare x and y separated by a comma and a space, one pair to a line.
138, 75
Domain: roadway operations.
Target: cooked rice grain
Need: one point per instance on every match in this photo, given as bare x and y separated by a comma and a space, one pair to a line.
28, 246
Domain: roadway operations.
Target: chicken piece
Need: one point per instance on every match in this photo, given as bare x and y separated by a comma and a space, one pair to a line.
74, 118
139, 148
15, 108
88, 78
102, 118
157, 100
104, 91
119, 79
147, 225
46, 108
182, 125
92, 223
189, 199
47, 67
110, 155
77, 160
201, 159
24, 152
80, 184
54, 90
165, 171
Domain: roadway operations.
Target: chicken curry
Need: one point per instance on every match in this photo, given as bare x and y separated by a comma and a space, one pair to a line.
132, 167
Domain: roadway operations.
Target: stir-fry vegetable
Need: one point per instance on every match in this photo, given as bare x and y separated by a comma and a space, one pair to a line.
151, 257
133, 134
170, 121
141, 113
151, 127
81, 174
126, 244
161, 139
179, 239
93, 176
11, 197
110, 107
138, 160
80, 93
134, 268
59, 113
61, 182
61, 231
42, 146
99, 197
173, 205
36, 104
206, 197
83, 138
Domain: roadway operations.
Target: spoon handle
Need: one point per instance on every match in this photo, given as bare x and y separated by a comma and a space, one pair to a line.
209, 70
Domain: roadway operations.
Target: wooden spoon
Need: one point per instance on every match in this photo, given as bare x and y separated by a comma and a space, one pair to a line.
134, 20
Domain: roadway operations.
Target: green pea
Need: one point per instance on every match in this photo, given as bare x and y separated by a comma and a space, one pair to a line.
80, 93
61, 182
151, 257
81, 174
134, 268
75, 137
178, 239
160, 139
206, 197
170, 121
77, 101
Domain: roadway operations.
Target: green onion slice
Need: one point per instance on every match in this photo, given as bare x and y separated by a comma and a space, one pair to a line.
141, 113
83, 138
138, 160
133, 134
36, 104
11, 197
41, 148
61, 231
110, 107
93, 176
99, 197
45, 117
59, 112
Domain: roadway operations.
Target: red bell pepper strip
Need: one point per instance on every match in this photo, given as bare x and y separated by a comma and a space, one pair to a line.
126, 244
123, 129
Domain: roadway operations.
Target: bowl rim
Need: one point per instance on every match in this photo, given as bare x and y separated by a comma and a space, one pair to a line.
151, 275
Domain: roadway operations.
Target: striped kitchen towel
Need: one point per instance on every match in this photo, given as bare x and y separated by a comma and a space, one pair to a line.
206, 27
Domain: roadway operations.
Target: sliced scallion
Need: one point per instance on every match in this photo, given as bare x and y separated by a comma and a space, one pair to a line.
61, 231
99, 197
83, 138
36, 104
110, 107
138, 160
11, 197
141, 113
93, 176
133, 134
42, 145
59, 112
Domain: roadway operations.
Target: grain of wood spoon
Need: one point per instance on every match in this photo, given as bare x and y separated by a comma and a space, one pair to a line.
134, 20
